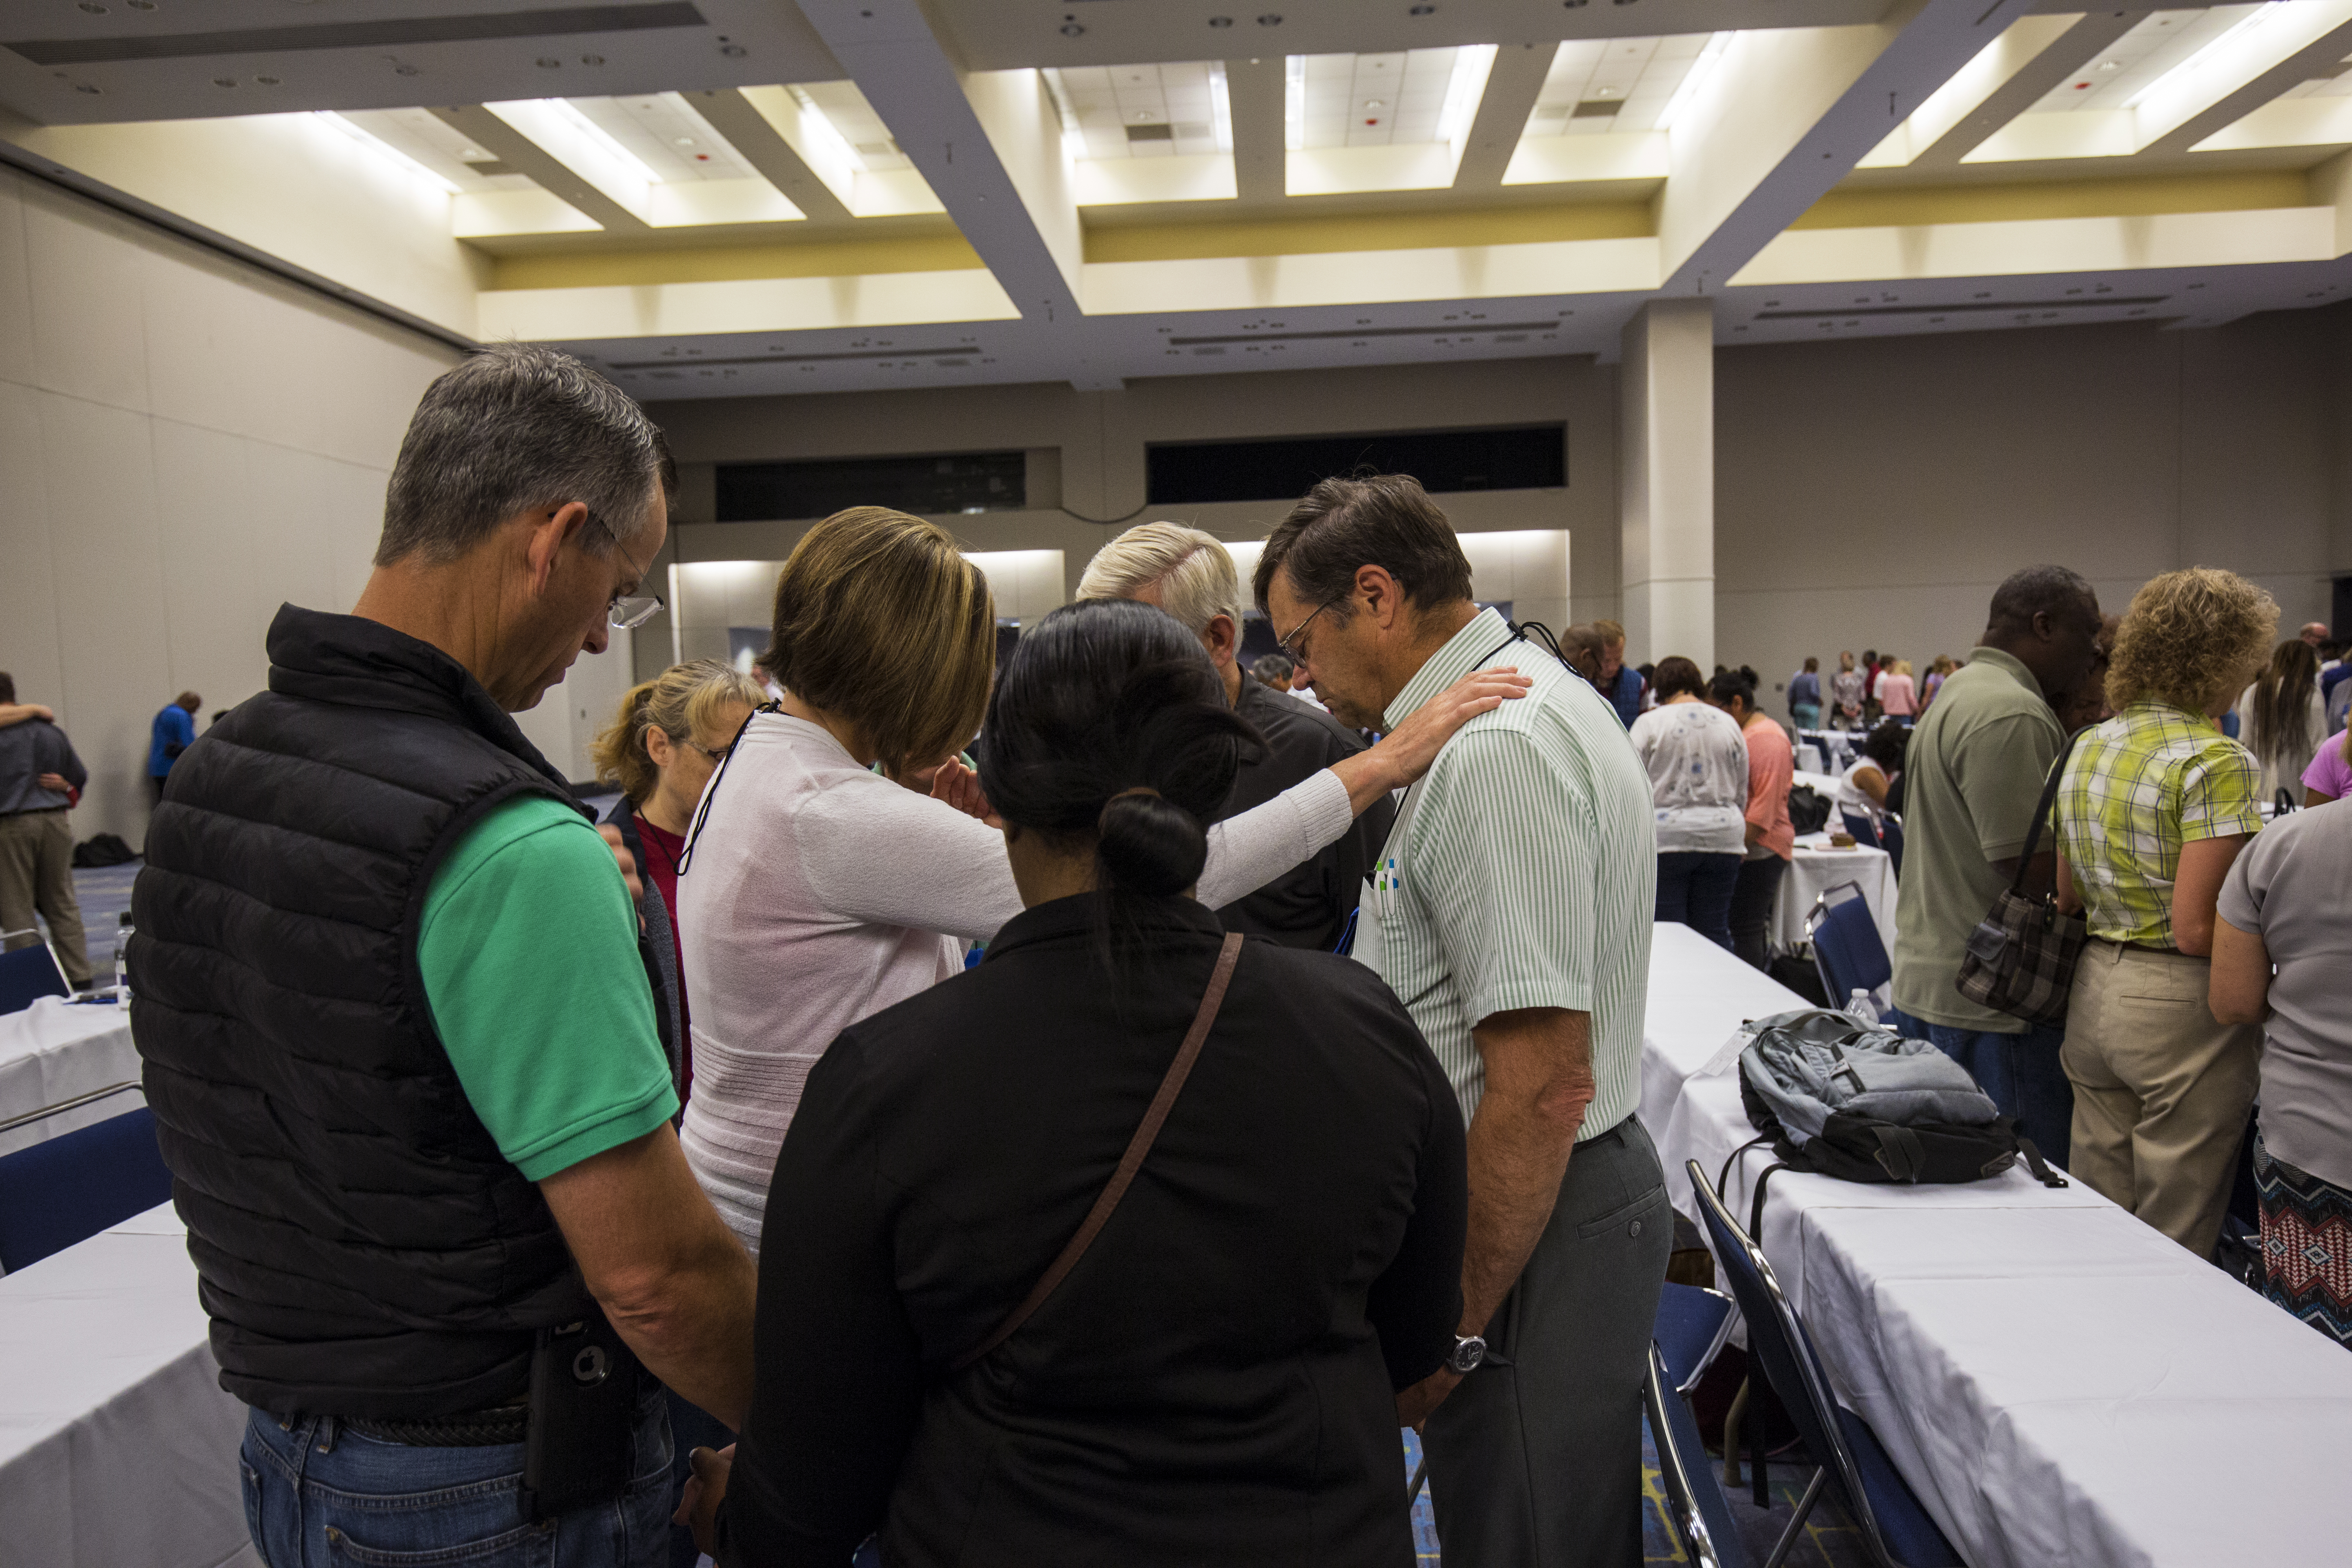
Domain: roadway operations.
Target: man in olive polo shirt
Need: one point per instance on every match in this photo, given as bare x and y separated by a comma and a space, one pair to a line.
1973, 778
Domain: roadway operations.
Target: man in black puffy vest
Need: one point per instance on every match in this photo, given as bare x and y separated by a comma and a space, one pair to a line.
400, 1046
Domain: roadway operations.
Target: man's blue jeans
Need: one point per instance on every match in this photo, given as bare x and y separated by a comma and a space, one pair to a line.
2020, 1072
317, 1494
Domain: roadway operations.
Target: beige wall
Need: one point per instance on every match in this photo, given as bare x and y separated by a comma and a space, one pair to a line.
1088, 447
1873, 493
185, 444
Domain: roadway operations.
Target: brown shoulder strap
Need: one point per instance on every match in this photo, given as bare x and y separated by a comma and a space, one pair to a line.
1137, 1147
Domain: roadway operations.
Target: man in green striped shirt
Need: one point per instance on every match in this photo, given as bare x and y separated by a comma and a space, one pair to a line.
1510, 911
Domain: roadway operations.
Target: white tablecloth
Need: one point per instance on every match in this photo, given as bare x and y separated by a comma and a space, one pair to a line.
2062, 1386
55, 1050
1817, 866
118, 1448
1836, 747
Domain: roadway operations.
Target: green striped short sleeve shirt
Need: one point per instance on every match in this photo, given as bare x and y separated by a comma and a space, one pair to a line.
1521, 873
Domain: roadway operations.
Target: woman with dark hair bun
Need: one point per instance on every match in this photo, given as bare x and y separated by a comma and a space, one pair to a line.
1215, 1378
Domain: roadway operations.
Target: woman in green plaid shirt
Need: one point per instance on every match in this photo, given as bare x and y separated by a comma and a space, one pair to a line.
2154, 805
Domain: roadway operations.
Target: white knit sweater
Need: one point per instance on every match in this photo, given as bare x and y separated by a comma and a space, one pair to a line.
820, 893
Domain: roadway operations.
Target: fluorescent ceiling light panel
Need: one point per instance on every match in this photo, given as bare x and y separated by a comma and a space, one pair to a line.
1221, 107
1471, 65
1696, 79
602, 139
385, 150
2206, 56
822, 131
1294, 101
1074, 139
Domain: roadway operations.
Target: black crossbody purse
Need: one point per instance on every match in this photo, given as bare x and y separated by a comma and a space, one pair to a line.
2020, 958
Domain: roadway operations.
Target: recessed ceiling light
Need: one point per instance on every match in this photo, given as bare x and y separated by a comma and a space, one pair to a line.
1375, 103
1270, 19
592, 60
549, 62
92, 6
686, 141
1072, 29
1220, 21
224, 81
1420, 10
1144, 117
2111, 65
267, 80
142, 4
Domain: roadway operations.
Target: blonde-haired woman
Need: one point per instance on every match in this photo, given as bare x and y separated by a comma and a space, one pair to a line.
819, 893
1898, 696
660, 749
2152, 809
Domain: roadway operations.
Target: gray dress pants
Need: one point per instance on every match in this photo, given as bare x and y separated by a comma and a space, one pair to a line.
1535, 1461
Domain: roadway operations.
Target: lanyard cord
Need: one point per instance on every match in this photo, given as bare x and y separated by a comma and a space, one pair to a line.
702, 812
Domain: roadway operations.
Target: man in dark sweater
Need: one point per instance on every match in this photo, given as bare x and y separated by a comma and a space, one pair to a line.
399, 1039
1189, 574
39, 777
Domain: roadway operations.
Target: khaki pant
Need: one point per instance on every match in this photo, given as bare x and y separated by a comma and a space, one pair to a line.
2161, 1090
37, 873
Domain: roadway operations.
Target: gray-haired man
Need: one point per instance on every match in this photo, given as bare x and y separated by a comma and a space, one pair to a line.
1191, 575
398, 1038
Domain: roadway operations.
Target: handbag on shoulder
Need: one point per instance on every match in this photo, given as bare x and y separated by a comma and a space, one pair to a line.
2020, 958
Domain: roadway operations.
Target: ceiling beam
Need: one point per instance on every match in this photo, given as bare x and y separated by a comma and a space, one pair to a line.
2322, 56
989, 145
2066, 54
1255, 93
1512, 88
525, 156
1788, 113
747, 130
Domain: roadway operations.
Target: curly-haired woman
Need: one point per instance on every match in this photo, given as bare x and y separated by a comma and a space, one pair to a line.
2152, 810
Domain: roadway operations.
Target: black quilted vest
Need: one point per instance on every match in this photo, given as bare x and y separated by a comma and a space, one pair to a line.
362, 1247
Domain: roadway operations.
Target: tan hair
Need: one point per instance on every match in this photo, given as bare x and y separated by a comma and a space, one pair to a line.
680, 701
1902, 666
1611, 633
2188, 635
1194, 569
880, 619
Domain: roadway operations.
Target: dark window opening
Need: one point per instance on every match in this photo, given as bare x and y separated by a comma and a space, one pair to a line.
926, 485
1512, 457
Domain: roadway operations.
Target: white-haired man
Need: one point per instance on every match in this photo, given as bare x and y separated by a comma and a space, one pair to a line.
1189, 574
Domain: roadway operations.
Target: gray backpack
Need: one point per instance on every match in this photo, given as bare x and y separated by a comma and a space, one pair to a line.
1864, 1104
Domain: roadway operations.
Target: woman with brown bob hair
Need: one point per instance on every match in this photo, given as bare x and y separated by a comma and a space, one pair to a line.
818, 893
2151, 811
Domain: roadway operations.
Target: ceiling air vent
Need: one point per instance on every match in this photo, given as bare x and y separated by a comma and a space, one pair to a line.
1160, 132
1598, 107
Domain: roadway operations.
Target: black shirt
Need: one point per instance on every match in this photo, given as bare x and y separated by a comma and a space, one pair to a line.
1307, 906
1215, 1381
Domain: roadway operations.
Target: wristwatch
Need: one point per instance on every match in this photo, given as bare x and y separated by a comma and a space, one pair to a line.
1469, 1352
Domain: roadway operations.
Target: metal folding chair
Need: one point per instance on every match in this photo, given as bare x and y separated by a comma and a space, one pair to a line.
27, 973
1854, 1466
1846, 946
1697, 1509
69, 1188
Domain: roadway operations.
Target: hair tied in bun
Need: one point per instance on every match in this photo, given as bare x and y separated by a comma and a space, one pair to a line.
1149, 845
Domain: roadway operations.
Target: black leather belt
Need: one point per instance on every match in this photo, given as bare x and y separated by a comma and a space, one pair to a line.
471, 1429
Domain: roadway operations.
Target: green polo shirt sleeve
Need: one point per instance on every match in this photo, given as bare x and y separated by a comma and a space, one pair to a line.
2000, 767
1508, 867
529, 948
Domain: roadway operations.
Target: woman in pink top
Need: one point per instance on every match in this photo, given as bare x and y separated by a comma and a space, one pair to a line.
1897, 694
1771, 837
2329, 777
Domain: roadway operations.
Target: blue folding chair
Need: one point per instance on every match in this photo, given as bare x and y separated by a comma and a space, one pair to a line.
27, 973
1692, 1328
69, 1188
1855, 1468
1697, 1509
1864, 829
1890, 838
1846, 946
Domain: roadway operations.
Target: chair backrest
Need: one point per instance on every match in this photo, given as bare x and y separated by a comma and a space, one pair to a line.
1846, 945
27, 973
69, 1188
1890, 838
1864, 829
1778, 1343
1696, 1506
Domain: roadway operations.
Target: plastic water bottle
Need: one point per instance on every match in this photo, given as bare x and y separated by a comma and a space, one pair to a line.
122, 962
1860, 1009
